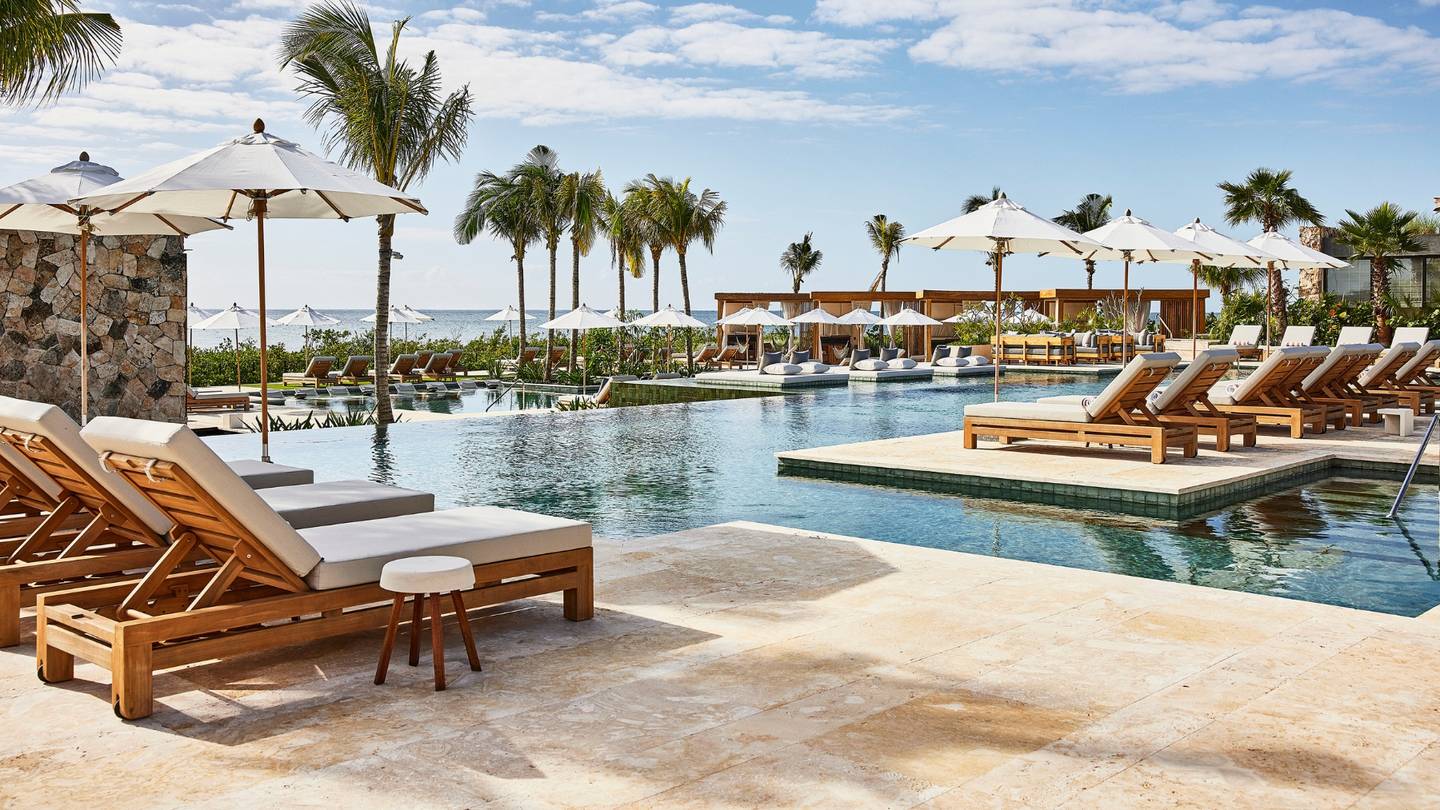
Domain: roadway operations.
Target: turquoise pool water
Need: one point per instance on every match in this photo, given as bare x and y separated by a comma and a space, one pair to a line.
640, 471
479, 399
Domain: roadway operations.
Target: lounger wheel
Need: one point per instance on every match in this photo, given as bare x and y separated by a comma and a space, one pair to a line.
40, 673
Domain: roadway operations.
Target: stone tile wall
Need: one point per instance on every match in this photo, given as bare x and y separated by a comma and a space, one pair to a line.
137, 294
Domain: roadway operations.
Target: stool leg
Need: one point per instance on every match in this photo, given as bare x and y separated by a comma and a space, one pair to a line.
437, 642
465, 631
415, 630
391, 630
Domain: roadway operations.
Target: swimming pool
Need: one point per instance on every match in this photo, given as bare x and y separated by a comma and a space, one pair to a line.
479, 399
641, 471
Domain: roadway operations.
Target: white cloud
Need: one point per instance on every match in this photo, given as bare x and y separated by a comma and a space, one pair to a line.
603, 10
707, 12
810, 54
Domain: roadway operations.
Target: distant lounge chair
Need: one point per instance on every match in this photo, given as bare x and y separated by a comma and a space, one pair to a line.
356, 369
1245, 339
422, 357
403, 368
201, 401
438, 367
273, 586
526, 357
707, 357
729, 357
317, 373
1354, 335
1383, 378
1419, 335
1267, 393
1298, 336
1117, 415
1332, 382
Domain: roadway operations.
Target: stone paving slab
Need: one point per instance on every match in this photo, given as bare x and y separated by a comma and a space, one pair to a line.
742, 665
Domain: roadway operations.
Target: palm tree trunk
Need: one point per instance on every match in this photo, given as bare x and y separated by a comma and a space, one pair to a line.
550, 333
654, 280
1276, 291
620, 279
1380, 297
884, 272
574, 295
1089, 274
685, 297
385, 226
520, 294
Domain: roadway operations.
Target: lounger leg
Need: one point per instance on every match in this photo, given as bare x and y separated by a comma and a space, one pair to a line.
391, 630
1157, 449
415, 629
580, 601
465, 632
1297, 427
1192, 447
9, 614
969, 441
132, 679
55, 665
1222, 437
437, 642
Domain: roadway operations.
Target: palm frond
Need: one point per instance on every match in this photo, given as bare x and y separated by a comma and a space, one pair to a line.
50, 47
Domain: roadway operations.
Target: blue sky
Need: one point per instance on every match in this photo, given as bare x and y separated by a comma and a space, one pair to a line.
805, 117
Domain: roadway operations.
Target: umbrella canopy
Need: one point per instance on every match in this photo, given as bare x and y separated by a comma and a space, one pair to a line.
816, 315
195, 314
257, 175
43, 204
859, 317
397, 315
755, 316
509, 313
1223, 251
1137, 240
581, 319
977, 314
1030, 316
415, 313
1292, 254
305, 316
615, 313
909, 317
728, 319
669, 316
233, 317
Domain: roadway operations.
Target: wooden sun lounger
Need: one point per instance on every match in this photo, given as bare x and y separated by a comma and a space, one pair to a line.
317, 373
1117, 416
1416, 375
525, 359
1245, 339
215, 401
1331, 383
403, 368
356, 370
437, 367
273, 586
1381, 379
1267, 394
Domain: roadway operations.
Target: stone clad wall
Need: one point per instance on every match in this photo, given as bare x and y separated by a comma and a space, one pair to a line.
1312, 282
137, 323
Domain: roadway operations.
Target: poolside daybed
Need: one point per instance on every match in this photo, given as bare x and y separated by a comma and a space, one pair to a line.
1267, 394
197, 401
274, 586
1115, 416
1382, 379
1331, 383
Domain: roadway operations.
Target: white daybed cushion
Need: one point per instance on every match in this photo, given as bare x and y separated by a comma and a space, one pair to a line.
1428, 354
1383, 366
782, 369
1161, 400
1339, 354
1053, 412
24, 416
176, 443
27, 468
977, 360
355, 553
813, 367
870, 364
900, 362
263, 474
332, 502
1354, 335
1107, 397
952, 362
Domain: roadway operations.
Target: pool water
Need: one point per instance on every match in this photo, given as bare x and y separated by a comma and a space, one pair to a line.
641, 471
480, 399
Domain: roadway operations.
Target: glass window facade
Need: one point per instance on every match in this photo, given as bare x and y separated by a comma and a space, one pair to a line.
1413, 279
1351, 282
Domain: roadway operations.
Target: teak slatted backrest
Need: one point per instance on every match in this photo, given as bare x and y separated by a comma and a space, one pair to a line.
1132, 400
1198, 389
78, 484
1274, 389
1342, 375
355, 366
1418, 375
17, 486
1391, 363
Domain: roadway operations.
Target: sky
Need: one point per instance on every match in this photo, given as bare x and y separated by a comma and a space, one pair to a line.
803, 116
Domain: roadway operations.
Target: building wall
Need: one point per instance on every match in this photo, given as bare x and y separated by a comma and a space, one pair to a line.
137, 294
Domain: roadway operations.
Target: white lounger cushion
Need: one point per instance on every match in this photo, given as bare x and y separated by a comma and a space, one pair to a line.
870, 364
332, 502
264, 475
1220, 355
176, 443
1241, 391
355, 553
1107, 397
1410, 334
1388, 362
1247, 335
813, 367
1354, 335
1428, 354
1046, 411
782, 369
48, 421
34, 475
900, 363
1341, 353
1298, 336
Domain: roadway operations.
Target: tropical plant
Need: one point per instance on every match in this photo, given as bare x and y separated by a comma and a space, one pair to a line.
640, 207
51, 47
311, 420
1228, 280
379, 112
682, 217
974, 202
1090, 213
626, 245
1425, 225
799, 260
885, 236
1266, 197
501, 205
1380, 233
582, 198
539, 174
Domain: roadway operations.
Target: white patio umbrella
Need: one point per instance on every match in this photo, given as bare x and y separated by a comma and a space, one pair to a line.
582, 319
1293, 256
1002, 227
670, 318
907, 317
261, 176
975, 314
234, 318
397, 315
307, 317
507, 315
43, 204
415, 313
1030, 316
817, 316
759, 318
1224, 251
1137, 240
861, 318
615, 313
193, 315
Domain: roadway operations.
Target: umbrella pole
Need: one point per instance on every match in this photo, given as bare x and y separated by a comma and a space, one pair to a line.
260, 205
1125, 313
1269, 302
236, 346
84, 328
995, 358
1194, 306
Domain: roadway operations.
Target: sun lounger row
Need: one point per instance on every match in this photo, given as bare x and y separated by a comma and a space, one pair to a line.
1245, 338
142, 550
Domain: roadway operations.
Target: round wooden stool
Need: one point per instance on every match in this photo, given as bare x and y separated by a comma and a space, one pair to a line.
435, 576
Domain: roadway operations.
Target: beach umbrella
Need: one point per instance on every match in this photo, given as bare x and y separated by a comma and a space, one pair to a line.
1224, 251
582, 319
193, 315
907, 317
1003, 227
615, 313
1137, 240
1030, 316
234, 318
506, 315
861, 318
1292, 256
43, 204
397, 315
975, 314
416, 314
759, 318
669, 317
306, 317
817, 316
260, 176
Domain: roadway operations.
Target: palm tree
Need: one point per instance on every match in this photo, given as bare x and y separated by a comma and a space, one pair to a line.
682, 218
641, 209
540, 174
51, 47
975, 201
582, 196
885, 237
382, 114
1229, 279
799, 260
1380, 233
626, 246
1091, 212
1425, 225
1266, 197
501, 205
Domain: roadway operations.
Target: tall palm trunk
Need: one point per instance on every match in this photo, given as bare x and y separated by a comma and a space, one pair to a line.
1276, 292
620, 278
574, 295
1380, 297
884, 272
655, 279
520, 294
385, 227
1089, 274
685, 297
550, 333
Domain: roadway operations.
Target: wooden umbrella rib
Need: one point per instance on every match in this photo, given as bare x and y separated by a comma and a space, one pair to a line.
12, 209
63, 207
170, 225
131, 201
412, 206
333, 206
230, 206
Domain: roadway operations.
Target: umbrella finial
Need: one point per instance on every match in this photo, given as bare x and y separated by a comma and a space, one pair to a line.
1127, 212
84, 157
1002, 196
259, 125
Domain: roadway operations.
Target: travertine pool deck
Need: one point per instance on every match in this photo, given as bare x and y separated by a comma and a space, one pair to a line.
1120, 479
747, 666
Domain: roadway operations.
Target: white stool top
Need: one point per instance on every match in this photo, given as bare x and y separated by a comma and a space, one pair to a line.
427, 575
